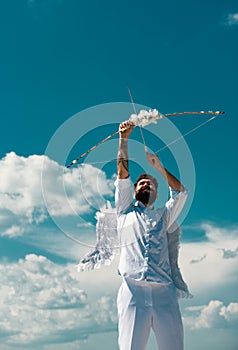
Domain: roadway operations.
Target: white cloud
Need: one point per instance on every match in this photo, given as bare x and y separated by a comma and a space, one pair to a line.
232, 19
47, 299
213, 315
212, 270
26, 183
230, 313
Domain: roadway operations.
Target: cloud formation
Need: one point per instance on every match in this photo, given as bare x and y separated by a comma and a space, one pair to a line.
232, 19
46, 298
213, 315
212, 262
33, 187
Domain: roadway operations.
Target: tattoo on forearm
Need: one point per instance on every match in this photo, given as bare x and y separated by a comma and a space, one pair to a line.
122, 161
122, 157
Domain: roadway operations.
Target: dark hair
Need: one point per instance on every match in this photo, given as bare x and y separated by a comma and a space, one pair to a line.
147, 176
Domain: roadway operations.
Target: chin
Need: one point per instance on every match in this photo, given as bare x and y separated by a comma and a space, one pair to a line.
146, 197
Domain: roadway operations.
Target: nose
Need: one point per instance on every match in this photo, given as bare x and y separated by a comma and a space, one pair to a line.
147, 185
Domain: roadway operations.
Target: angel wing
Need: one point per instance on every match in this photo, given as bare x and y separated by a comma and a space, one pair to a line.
107, 246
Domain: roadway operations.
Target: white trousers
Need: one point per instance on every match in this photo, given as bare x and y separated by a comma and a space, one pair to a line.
144, 305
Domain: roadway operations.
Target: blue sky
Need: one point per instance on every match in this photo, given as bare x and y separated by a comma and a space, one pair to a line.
65, 67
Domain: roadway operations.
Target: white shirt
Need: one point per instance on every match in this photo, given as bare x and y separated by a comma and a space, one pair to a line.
143, 234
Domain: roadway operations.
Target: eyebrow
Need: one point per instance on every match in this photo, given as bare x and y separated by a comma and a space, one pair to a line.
145, 180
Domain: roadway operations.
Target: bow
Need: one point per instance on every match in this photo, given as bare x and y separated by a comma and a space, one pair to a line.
152, 116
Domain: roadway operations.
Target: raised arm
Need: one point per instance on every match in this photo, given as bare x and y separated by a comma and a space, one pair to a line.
125, 129
172, 181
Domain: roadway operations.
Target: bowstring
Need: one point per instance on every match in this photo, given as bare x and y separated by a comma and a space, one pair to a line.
187, 133
141, 132
216, 114
103, 161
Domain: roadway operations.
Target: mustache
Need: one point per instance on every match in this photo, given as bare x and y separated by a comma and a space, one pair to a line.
145, 196
147, 188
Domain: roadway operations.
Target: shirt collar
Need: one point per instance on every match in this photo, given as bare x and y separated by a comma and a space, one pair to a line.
142, 206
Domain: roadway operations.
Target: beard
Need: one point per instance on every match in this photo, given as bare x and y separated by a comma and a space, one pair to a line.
146, 196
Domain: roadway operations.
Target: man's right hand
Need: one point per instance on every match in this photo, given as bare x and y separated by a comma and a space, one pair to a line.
125, 129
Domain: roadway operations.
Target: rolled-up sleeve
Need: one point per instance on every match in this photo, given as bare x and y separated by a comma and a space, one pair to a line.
174, 205
123, 194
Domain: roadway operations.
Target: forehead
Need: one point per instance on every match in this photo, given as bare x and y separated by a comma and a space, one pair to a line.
140, 182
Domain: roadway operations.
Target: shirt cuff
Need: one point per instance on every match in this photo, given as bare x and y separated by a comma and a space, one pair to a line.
123, 183
173, 193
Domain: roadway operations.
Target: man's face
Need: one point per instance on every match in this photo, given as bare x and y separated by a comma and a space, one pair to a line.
146, 192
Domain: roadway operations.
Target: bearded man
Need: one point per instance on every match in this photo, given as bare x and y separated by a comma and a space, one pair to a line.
147, 297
